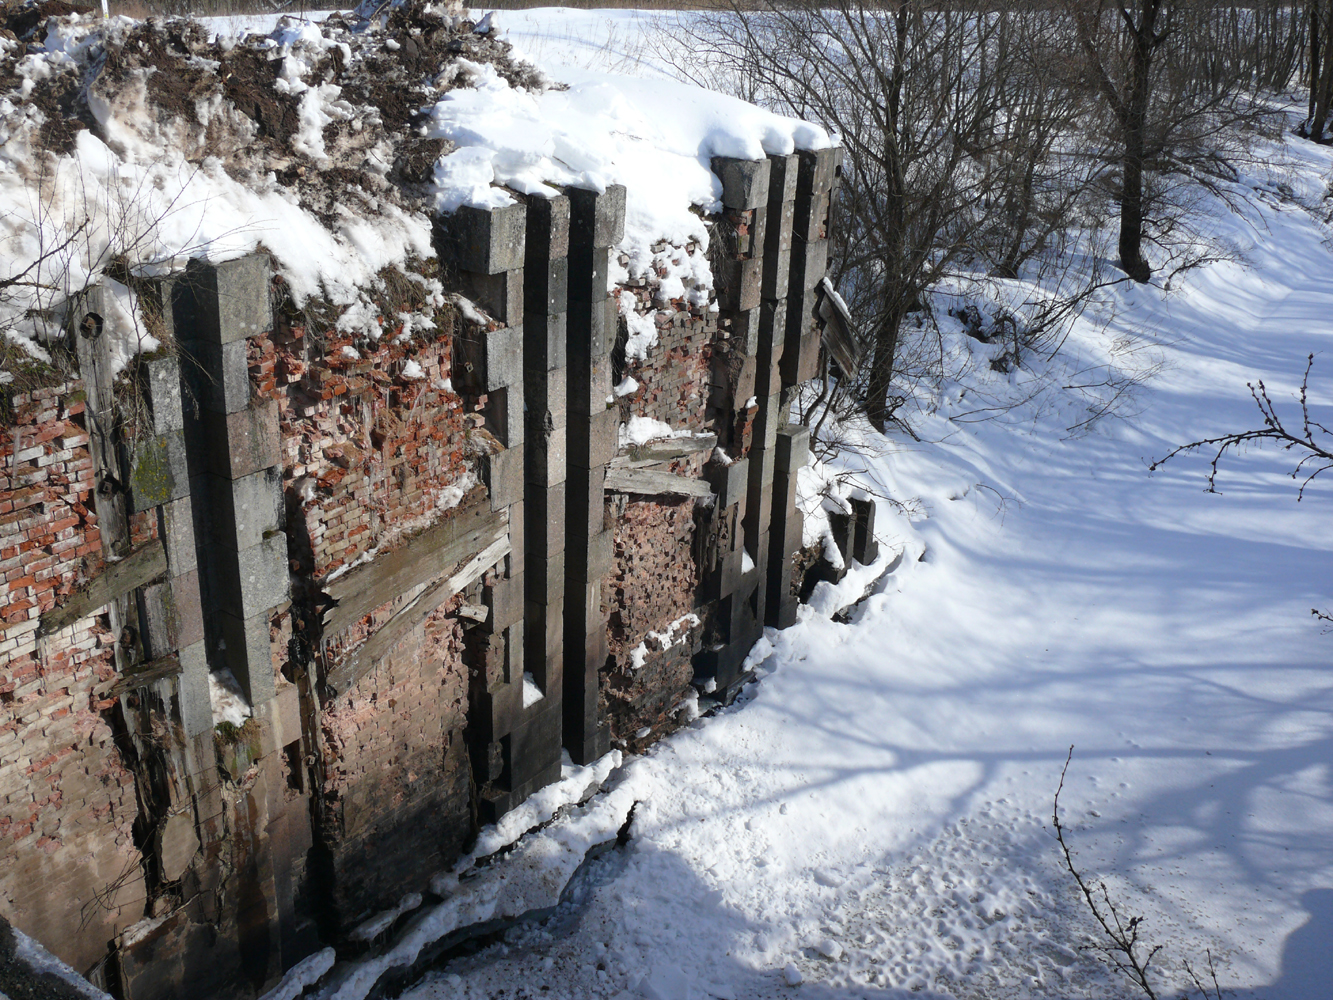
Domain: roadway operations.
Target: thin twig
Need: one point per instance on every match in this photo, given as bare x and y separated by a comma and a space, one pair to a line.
1121, 947
1316, 453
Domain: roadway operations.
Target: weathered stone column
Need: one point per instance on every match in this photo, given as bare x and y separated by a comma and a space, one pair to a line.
235, 470
743, 488
785, 524
811, 181
815, 180
515, 739
239, 515
597, 223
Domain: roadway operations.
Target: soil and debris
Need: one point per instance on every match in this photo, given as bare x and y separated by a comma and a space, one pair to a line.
307, 141
252, 102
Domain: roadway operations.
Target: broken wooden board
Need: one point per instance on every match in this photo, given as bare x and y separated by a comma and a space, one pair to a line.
365, 656
652, 483
142, 566
364, 588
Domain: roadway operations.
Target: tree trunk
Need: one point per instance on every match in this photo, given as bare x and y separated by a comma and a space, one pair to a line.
1131, 208
1314, 58
1324, 86
894, 222
1134, 124
881, 368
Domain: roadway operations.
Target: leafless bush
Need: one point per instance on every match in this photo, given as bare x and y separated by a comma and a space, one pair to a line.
1120, 944
1313, 443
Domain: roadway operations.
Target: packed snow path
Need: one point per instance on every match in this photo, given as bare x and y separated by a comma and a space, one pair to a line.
873, 817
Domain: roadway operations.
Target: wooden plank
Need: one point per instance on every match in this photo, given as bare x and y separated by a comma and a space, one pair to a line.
142, 566
655, 453
365, 656
839, 333
154, 670
650, 483
359, 591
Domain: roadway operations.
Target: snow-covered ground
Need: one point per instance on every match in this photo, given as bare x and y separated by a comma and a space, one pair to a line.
873, 816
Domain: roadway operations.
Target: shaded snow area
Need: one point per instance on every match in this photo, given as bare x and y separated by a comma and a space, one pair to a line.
34, 963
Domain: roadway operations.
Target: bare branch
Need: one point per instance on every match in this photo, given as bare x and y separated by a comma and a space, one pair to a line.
1316, 451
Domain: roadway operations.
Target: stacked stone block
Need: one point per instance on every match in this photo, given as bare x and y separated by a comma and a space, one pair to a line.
808, 190
816, 178
235, 467
212, 462
743, 487
781, 461
515, 735
597, 224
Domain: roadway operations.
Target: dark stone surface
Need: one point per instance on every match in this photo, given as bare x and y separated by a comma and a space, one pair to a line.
19, 981
745, 183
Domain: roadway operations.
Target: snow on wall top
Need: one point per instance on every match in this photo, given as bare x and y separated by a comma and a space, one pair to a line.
655, 137
328, 144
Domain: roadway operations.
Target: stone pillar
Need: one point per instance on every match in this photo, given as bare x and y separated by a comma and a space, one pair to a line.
536, 742
785, 524
169, 611
811, 179
815, 179
501, 259
235, 468
597, 224
239, 516
743, 277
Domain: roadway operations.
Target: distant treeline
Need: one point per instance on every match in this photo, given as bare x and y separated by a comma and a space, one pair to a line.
214, 8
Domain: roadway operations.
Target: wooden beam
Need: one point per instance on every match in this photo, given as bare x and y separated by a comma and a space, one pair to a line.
650, 483
364, 657
364, 588
142, 566
154, 670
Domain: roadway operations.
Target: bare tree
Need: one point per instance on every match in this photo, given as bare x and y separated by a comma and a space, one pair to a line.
1319, 69
1175, 103
950, 118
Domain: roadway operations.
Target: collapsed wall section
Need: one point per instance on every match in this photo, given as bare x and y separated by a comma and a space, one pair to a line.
706, 466
291, 610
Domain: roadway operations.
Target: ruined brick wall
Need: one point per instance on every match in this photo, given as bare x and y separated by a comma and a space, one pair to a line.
652, 631
430, 561
372, 449
49, 541
67, 799
395, 766
376, 450
675, 376
724, 366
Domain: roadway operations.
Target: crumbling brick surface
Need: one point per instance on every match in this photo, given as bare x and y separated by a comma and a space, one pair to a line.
675, 379
67, 799
396, 788
49, 540
652, 633
376, 446
372, 451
